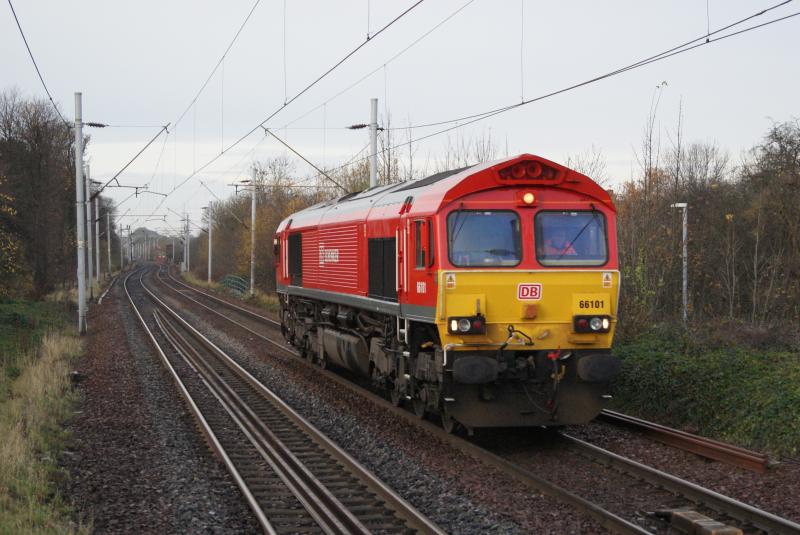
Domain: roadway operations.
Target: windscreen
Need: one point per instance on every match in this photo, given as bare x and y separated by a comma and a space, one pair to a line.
571, 238
482, 238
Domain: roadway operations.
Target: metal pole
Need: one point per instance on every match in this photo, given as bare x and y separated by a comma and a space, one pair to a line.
373, 143
685, 263
88, 205
108, 239
253, 237
185, 242
685, 238
121, 248
97, 238
188, 244
79, 215
173, 250
210, 227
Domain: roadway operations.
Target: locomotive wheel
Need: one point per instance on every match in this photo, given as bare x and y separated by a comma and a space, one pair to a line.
448, 423
419, 408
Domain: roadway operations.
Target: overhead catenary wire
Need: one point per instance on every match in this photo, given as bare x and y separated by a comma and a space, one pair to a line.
113, 178
661, 55
320, 171
470, 119
224, 207
347, 56
35, 65
221, 59
378, 68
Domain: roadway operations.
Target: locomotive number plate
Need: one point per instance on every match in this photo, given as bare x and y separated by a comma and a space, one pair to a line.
591, 303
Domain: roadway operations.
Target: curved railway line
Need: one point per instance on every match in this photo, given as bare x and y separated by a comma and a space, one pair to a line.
293, 477
750, 518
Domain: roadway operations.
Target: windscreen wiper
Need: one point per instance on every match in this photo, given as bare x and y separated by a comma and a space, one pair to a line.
578, 235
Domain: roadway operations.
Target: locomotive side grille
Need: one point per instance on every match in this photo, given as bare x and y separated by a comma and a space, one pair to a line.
296, 259
382, 266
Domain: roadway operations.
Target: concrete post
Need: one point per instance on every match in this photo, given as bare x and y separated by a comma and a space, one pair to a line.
79, 215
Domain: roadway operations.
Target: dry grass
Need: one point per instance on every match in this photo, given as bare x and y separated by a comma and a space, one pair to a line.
191, 278
70, 295
63, 295
267, 301
31, 415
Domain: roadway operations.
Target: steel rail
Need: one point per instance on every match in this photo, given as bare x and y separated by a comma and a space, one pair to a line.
604, 517
205, 428
395, 503
705, 447
743, 512
224, 302
330, 514
238, 309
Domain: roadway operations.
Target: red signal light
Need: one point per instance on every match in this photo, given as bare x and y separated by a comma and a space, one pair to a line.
582, 323
477, 325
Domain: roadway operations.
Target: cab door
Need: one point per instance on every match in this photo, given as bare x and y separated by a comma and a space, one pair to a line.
420, 286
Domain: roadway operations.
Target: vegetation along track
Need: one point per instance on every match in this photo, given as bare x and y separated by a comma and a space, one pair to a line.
292, 476
266, 328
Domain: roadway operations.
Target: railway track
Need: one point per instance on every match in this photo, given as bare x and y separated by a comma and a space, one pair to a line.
292, 476
705, 447
735, 509
748, 516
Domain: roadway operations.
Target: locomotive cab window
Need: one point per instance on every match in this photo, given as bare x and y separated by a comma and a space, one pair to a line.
484, 238
571, 238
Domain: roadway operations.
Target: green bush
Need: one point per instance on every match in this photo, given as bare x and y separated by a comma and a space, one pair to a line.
745, 395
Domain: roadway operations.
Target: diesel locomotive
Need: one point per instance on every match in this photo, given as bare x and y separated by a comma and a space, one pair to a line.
485, 295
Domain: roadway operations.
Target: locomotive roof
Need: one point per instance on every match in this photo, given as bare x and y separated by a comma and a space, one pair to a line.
437, 190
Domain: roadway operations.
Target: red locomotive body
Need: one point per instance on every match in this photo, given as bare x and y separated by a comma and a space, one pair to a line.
443, 290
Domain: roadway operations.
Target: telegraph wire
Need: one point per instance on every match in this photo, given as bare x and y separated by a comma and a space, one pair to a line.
35, 66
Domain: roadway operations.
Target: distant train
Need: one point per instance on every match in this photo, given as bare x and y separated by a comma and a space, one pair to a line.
486, 295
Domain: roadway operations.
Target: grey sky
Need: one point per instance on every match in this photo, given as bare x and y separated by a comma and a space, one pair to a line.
142, 62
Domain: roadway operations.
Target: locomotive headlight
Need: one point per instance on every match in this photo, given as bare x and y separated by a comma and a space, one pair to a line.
466, 325
528, 198
591, 324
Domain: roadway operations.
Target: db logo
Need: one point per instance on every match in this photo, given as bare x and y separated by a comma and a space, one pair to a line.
529, 291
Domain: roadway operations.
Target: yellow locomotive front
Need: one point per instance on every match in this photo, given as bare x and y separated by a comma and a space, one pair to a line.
527, 296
